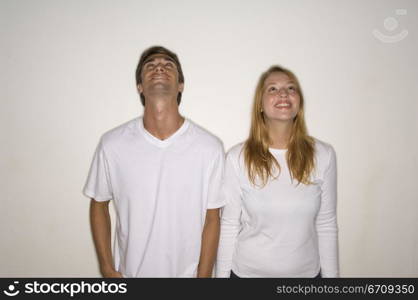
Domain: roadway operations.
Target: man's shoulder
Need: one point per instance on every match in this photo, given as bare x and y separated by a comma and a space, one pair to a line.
205, 138
120, 132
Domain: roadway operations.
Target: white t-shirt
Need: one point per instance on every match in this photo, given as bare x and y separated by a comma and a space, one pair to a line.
161, 191
282, 229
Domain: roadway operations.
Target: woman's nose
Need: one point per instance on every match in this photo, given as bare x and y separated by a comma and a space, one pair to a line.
283, 92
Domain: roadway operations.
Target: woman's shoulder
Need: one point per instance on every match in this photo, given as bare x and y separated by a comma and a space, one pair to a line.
235, 151
324, 152
322, 146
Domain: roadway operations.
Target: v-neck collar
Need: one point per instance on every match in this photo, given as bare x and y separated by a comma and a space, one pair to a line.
156, 141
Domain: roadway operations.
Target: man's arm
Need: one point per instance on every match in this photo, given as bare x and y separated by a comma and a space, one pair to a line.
101, 229
210, 240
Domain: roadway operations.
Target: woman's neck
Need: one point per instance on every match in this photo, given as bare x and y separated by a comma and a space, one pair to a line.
279, 133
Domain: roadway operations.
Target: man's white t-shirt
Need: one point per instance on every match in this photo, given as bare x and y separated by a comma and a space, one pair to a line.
161, 190
283, 229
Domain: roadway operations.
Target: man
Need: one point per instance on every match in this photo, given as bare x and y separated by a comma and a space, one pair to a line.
164, 174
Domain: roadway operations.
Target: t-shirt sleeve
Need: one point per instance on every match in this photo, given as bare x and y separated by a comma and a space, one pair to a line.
98, 184
326, 221
215, 199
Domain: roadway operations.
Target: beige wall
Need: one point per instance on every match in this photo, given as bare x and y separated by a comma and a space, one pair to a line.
67, 76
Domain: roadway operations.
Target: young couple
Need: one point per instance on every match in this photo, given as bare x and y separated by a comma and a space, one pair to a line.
267, 210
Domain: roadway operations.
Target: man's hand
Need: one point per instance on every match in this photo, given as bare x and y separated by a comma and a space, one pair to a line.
111, 273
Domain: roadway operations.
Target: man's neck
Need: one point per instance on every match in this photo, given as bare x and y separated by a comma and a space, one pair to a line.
162, 117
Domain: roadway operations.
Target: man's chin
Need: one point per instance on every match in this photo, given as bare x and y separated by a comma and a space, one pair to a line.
160, 86
162, 90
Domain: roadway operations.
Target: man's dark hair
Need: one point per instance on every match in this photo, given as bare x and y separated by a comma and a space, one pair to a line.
158, 50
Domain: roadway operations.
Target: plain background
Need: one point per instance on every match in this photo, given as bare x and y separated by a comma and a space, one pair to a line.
67, 76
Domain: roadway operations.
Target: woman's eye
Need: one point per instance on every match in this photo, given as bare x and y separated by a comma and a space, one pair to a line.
149, 66
169, 65
271, 89
292, 88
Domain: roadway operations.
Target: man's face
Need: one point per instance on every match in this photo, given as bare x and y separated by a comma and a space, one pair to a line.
160, 75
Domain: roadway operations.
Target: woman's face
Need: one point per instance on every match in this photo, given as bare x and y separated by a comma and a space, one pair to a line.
281, 99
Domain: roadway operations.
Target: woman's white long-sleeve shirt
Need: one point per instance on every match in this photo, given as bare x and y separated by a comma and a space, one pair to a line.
282, 229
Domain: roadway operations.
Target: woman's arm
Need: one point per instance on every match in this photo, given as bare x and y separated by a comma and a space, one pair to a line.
326, 222
230, 220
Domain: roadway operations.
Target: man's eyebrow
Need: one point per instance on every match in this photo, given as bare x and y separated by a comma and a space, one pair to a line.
152, 58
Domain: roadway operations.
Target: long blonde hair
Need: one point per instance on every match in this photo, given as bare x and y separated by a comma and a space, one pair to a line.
260, 163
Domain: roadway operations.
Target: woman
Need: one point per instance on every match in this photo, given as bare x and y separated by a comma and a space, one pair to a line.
280, 220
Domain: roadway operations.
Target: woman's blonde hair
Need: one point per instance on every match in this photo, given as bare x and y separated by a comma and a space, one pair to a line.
259, 161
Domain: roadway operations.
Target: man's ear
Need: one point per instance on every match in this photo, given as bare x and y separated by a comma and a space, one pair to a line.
140, 88
181, 87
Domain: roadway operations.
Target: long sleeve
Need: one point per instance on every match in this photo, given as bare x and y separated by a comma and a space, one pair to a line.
230, 219
326, 221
